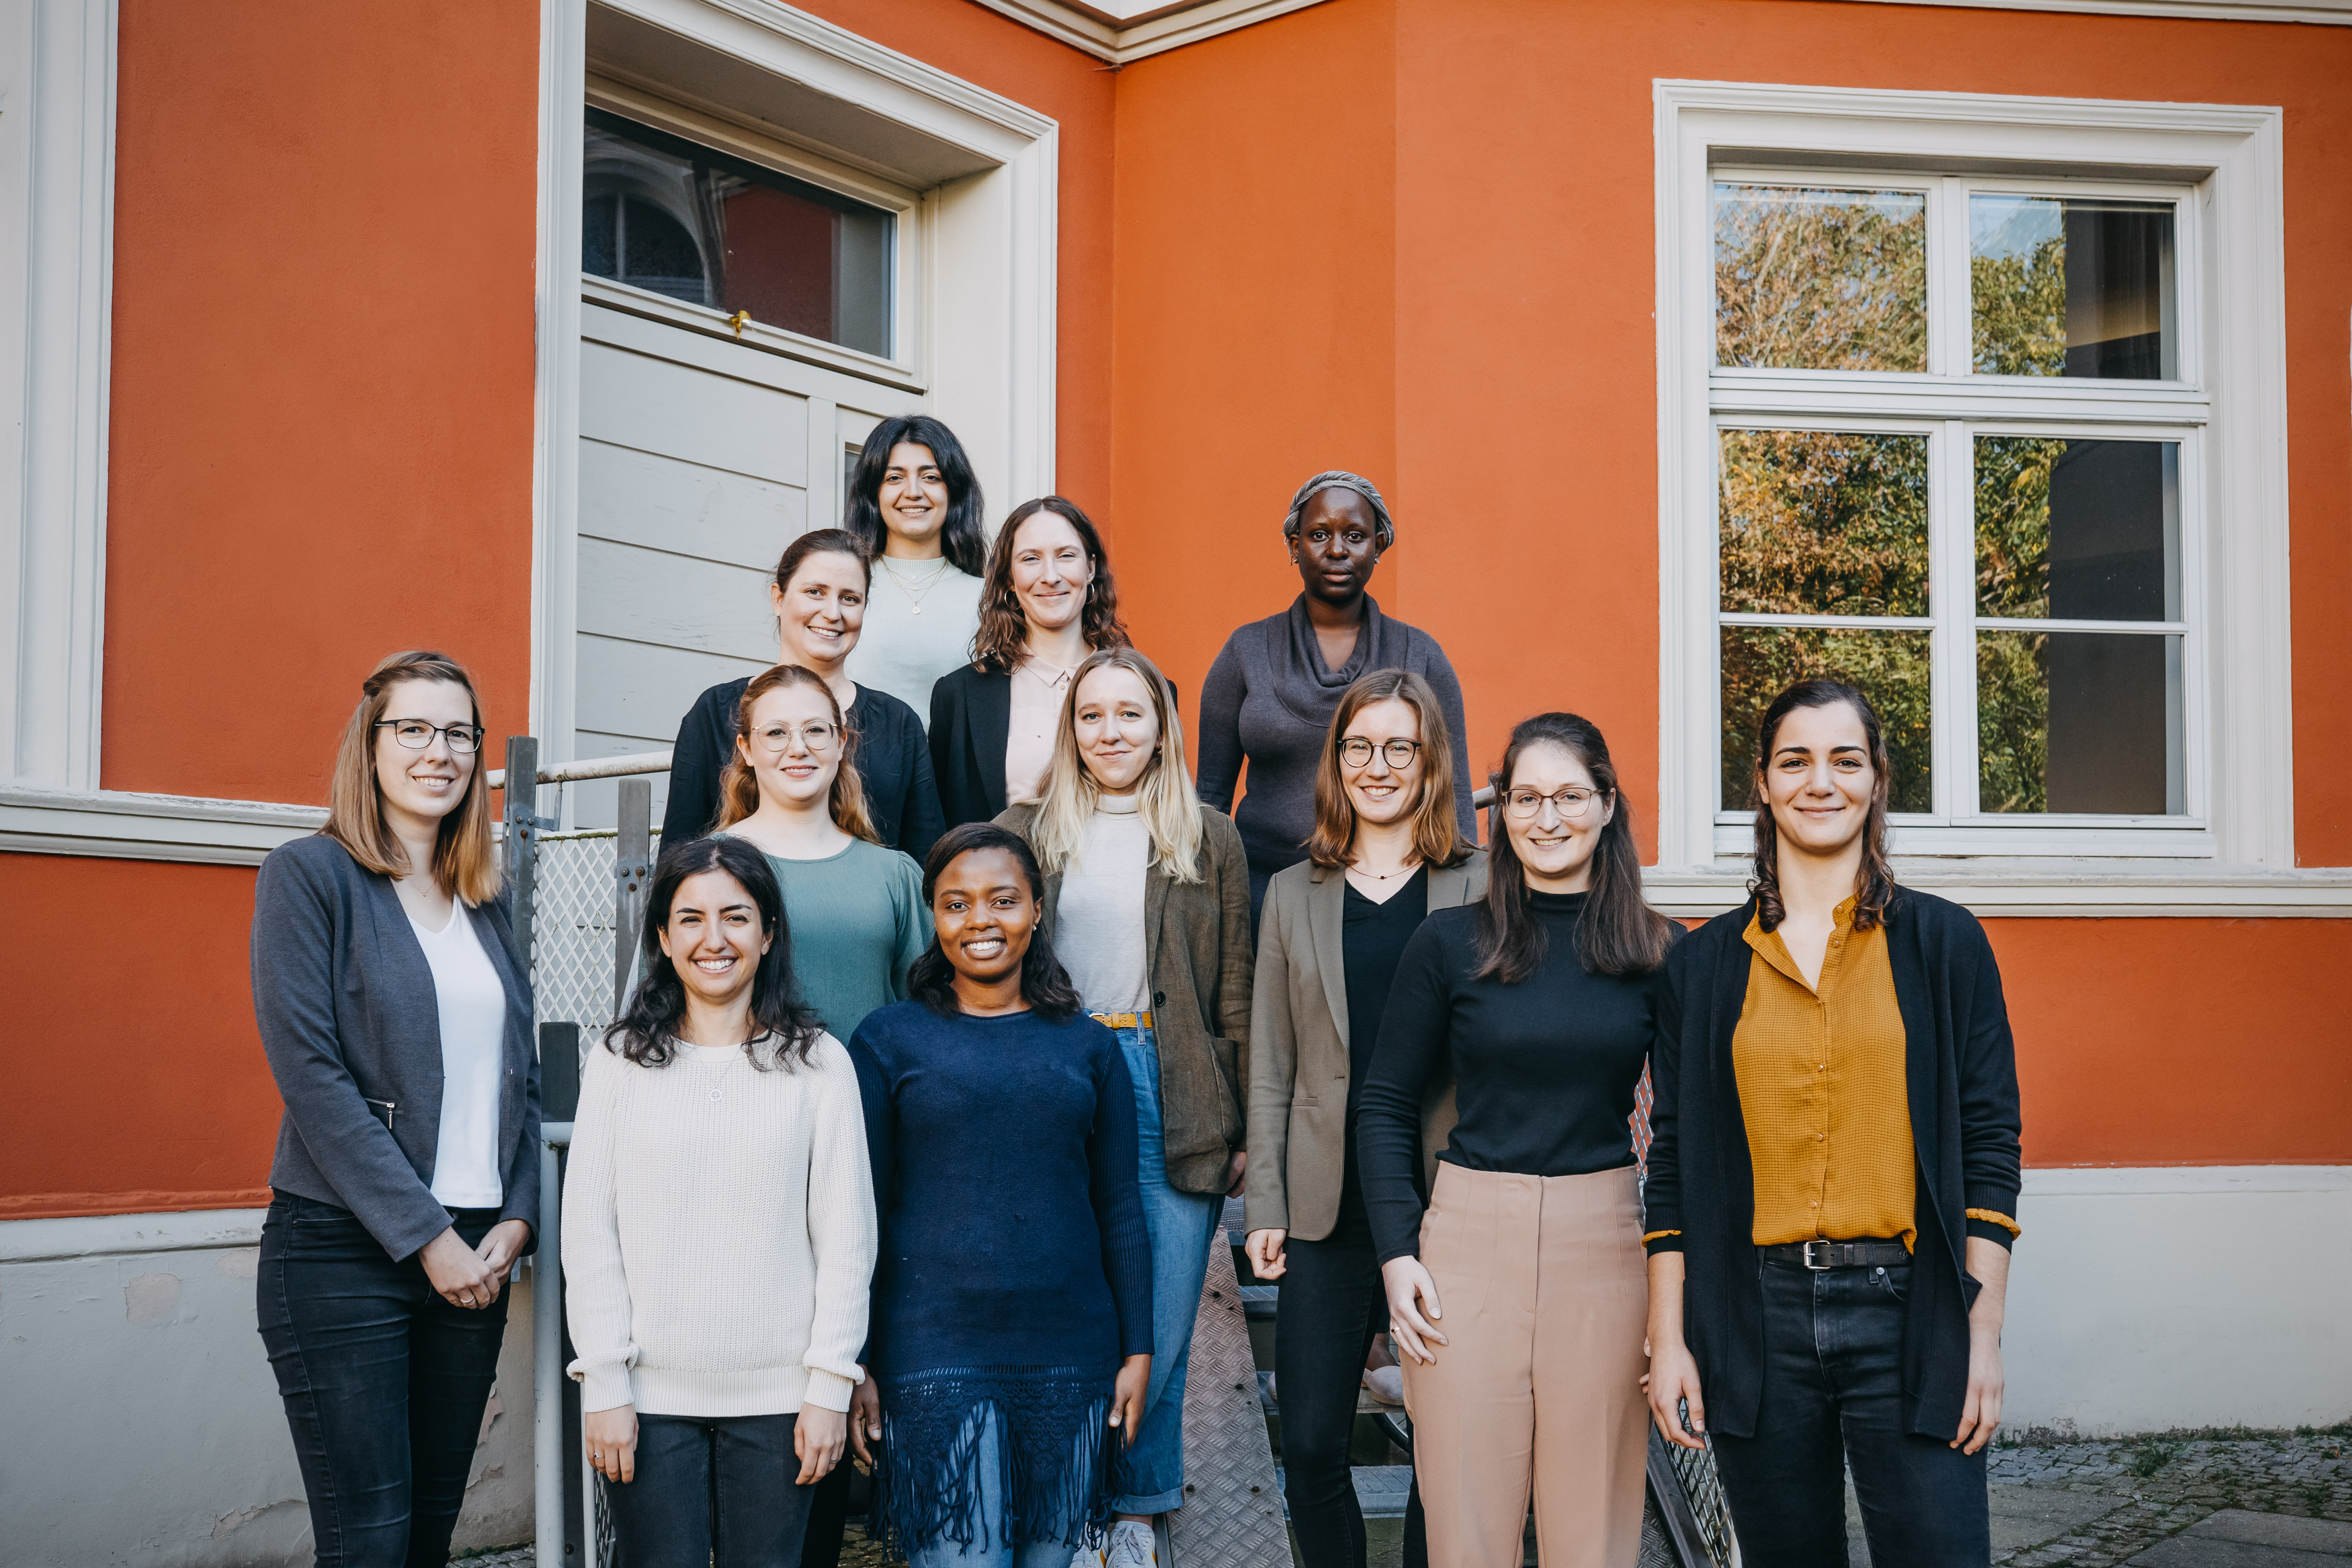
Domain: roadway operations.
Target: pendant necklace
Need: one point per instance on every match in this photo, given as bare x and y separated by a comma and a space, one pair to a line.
733, 1056
1385, 876
914, 597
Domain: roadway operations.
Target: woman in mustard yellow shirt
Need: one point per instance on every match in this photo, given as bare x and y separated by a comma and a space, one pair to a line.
1835, 1212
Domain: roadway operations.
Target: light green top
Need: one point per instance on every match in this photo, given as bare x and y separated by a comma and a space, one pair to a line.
857, 923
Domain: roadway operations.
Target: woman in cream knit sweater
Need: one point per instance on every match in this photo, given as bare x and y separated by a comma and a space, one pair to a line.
718, 1230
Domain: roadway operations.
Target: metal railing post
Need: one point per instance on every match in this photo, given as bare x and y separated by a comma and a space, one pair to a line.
521, 816
547, 1362
632, 873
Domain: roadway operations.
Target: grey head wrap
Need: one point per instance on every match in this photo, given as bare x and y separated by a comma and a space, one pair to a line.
1383, 528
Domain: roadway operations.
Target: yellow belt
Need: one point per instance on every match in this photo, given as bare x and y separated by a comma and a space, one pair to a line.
1124, 1020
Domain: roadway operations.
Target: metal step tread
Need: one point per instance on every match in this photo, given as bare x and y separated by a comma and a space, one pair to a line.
1381, 1489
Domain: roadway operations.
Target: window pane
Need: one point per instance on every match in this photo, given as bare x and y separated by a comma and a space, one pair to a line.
1890, 667
2078, 530
1823, 522
2073, 287
664, 214
2085, 721
1820, 279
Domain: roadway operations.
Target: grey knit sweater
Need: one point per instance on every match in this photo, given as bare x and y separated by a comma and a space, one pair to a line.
1269, 700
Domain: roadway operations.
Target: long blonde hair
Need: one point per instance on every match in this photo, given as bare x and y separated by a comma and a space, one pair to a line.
1436, 838
465, 862
738, 783
1171, 811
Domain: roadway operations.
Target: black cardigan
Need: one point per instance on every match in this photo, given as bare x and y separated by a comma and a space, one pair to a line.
1960, 1066
971, 716
892, 765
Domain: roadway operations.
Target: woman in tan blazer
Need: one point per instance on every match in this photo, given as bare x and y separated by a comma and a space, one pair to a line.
1385, 852
1146, 907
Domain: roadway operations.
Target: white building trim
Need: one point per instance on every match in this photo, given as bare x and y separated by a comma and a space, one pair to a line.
57, 273
1121, 31
2233, 156
985, 230
119, 825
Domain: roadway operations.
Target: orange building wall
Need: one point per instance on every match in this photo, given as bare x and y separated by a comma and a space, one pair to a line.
1487, 168
1411, 237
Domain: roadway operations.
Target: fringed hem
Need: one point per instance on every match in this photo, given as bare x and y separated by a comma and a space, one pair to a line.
1058, 1460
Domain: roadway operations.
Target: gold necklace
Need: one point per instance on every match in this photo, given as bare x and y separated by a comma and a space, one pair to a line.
1383, 876
929, 582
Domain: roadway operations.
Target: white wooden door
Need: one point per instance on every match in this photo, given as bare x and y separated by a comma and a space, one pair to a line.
700, 459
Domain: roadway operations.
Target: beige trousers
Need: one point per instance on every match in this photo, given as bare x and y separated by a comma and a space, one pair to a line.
1546, 1298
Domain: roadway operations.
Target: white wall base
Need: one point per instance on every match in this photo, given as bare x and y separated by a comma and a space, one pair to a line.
2146, 1299
143, 1427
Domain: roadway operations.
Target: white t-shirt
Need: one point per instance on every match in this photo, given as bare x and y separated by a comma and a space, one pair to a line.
1098, 919
473, 1004
904, 652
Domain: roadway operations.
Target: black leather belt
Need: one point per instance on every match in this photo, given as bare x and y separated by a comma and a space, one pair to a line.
1838, 1253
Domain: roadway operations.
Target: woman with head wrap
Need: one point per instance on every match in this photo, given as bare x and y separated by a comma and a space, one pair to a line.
1271, 694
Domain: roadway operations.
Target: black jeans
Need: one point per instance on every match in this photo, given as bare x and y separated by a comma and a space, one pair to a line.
711, 1490
828, 1516
1330, 1306
385, 1382
1833, 1399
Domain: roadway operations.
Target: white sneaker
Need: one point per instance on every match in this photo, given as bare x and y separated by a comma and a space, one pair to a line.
1131, 1546
1086, 1557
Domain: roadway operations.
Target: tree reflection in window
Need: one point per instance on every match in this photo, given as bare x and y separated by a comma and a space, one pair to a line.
1820, 279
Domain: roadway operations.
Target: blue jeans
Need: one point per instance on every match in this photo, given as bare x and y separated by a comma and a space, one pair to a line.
383, 1381
1183, 1226
1833, 1398
989, 1549
712, 1491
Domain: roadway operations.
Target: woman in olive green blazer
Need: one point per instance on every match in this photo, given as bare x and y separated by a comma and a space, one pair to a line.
1385, 852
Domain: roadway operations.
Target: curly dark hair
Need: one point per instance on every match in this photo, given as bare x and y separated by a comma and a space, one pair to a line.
1874, 883
996, 646
1044, 984
646, 1033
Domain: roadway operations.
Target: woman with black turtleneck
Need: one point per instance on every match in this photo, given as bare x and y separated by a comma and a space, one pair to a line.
1517, 1295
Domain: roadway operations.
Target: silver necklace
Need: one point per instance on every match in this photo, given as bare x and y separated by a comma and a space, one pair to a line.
1383, 876
732, 1057
914, 596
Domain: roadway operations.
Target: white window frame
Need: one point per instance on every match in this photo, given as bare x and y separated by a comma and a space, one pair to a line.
2229, 257
905, 366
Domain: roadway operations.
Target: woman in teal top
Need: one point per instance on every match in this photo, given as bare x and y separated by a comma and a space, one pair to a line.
855, 907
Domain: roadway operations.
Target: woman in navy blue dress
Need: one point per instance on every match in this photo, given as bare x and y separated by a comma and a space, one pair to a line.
1012, 1331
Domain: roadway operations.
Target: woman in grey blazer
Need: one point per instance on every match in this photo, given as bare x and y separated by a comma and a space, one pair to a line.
395, 1010
1386, 850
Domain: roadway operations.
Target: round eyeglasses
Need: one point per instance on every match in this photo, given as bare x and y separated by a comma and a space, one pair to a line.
816, 735
416, 734
1356, 751
1572, 803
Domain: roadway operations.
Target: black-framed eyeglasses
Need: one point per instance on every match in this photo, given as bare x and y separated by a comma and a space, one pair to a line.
1355, 751
416, 734
1572, 803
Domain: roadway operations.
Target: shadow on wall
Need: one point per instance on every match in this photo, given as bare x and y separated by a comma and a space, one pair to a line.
145, 1428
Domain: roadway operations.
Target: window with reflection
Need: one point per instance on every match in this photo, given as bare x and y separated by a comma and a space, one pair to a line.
2005, 576
696, 225
2071, 287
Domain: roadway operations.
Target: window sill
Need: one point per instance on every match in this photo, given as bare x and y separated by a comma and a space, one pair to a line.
755, 335
123, 825
2077, 888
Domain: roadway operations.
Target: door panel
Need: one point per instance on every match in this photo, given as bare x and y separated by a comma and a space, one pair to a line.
700, 460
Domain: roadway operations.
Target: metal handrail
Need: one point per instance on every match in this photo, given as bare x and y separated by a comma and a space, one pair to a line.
593, 768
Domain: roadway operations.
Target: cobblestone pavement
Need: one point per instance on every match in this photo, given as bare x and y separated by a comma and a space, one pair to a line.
2064, 1503
2096, 1504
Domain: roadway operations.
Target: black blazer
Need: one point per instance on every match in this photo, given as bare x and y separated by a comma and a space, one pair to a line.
892, 765
1961, 1067
344, 997
971, 716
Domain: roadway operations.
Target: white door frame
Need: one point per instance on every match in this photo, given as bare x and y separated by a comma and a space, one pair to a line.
988, 287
